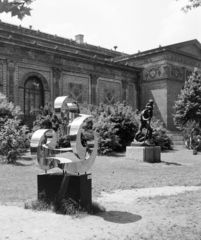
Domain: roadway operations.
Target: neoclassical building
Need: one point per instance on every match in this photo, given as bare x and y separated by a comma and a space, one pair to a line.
36, 67
164, 71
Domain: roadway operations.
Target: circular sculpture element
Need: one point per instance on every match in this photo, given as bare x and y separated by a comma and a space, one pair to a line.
81, 155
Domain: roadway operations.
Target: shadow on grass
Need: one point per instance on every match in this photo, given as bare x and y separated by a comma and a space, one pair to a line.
172, 163
119, 217
169, 150
19, 164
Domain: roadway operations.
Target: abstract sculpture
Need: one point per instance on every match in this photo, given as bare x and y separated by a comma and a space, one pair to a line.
80, 156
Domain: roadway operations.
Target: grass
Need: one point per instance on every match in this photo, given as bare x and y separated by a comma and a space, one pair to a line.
65, 207
179, 167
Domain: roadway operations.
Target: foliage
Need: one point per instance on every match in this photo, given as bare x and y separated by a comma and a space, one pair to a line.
188, 105
17, 8
192, 136
7, 109
37, 205
161, 137
63, 141
46, 119
115, 124
14, 138
192, 5
107, 138
64, 206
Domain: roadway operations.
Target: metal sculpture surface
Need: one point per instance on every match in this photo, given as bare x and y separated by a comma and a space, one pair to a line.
81, 155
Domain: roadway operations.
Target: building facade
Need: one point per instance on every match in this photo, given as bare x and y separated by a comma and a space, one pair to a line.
36, 67
164, 72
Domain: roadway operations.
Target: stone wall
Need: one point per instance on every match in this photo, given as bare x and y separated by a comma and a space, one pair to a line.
86, 83
157, 91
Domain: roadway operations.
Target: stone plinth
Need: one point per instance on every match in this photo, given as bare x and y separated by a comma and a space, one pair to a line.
150, 154
76, 187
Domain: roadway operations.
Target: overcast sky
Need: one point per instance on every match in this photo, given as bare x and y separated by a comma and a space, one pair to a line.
131, 25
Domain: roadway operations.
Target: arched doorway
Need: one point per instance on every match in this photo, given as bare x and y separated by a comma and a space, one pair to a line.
33, 95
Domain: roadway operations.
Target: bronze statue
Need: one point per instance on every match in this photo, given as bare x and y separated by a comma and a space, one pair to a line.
145, 123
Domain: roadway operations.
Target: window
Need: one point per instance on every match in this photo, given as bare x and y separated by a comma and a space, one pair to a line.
33, 95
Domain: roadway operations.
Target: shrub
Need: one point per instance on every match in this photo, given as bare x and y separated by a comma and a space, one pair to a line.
14, 138
192, 136
116, 126
161, 136
108, 141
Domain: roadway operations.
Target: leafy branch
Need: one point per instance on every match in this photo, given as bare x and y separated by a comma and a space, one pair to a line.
192, 5
19, 8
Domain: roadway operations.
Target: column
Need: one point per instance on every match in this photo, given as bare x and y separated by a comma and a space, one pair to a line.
10, 89
56, 82
94, 93
125, 95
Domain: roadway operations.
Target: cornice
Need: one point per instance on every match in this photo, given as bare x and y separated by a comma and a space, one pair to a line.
147, 54
30, 34
54, 56
170, 56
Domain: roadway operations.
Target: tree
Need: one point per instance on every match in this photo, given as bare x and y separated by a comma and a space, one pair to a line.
188, 106
19, 8
192, 5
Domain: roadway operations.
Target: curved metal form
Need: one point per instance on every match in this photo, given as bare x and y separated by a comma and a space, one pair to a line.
78, 158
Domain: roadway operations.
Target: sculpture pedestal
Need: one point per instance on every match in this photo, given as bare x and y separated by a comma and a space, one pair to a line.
76, 187
151, 154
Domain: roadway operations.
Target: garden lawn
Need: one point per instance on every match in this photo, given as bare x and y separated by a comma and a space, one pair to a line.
180, 167
143, 201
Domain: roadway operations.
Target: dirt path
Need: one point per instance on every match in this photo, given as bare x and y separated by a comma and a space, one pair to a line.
148, 213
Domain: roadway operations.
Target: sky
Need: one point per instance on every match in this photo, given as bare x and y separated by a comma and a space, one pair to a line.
131, 25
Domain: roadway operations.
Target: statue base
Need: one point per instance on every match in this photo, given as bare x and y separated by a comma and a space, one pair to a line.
56, 186
144, 153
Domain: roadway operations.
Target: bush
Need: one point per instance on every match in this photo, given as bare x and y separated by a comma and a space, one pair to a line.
117, 125
192, 136
14, 138
108, 141
161, 136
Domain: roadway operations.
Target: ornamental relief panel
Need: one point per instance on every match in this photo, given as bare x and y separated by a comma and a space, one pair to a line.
164, 71
77, 86
109, 91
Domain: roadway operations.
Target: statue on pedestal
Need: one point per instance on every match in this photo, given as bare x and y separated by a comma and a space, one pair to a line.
145, 123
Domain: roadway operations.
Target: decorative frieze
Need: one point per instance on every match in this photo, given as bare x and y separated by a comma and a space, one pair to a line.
163, 71
168, 56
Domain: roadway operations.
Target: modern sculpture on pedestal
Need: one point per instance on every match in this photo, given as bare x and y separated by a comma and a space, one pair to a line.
143, 147
75, 161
